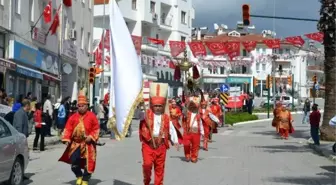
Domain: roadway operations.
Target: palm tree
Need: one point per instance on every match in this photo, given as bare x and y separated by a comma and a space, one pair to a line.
326, 25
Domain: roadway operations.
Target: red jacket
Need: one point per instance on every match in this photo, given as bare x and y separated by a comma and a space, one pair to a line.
315, 118
38, 118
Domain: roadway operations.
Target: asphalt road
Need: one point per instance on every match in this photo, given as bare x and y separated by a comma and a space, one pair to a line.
244, 155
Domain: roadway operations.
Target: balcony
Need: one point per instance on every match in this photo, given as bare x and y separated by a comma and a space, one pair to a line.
166, 17
315, 69
150, 47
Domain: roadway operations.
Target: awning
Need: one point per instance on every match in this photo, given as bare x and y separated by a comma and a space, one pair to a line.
50, 77
29, 72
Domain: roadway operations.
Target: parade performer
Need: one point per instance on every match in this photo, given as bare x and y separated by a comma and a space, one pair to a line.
192, 129
276, 112
175, 114
216, 109
156, 131
285, 122
81, 134
207, 124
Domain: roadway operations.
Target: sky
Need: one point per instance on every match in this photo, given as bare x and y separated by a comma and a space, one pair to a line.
228, 12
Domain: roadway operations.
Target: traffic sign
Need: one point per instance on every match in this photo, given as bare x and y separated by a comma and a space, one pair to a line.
224, 88
225, 98
317, 86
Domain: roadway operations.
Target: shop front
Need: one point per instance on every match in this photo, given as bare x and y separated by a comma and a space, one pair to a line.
242, 83
51, 76
27, 77
212, 83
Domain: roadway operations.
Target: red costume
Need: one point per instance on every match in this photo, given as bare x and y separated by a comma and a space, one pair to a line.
192, 131
175, 114
207, 124
216, 110
79, 153
156, 131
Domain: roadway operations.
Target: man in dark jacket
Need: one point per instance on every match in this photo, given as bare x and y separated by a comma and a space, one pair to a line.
306, 111
20, 121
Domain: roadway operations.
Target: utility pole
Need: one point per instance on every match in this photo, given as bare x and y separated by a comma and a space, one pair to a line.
102, 76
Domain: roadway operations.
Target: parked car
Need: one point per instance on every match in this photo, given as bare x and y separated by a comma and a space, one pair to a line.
14, 154
286, 100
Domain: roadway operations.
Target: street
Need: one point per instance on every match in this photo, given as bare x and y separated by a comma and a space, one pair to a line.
248, 154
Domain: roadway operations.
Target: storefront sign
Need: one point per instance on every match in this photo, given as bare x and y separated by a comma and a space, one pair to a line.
4, 64
239, 80
39, 35
26, 54
29, 72
50, 63
214, 80
69, 49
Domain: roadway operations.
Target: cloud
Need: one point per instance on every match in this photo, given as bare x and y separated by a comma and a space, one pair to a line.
229, 12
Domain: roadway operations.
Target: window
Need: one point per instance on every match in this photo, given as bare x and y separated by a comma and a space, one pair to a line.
18, 6
183, 17
89, 42
134, 4
82, 38
183, 38
2, 45
31, 10
152, 7
258, 67
244, 53
4, 130
280, 51
264, 67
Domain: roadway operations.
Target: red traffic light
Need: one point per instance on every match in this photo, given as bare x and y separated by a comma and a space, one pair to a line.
246, 14
91, 80
92, 70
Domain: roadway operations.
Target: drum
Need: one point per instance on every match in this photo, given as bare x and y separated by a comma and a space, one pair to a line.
214, 118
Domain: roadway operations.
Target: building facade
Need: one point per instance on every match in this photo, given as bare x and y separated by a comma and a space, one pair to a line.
158, 19
32, 60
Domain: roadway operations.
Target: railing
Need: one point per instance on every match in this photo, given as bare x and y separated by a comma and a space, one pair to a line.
146, 42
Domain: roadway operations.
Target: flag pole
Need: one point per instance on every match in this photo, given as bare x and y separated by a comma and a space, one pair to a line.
102, 76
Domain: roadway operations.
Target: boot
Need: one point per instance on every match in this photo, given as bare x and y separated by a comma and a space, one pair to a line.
79, 180
85, 183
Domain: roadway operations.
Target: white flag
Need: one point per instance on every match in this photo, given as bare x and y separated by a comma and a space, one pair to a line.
126, 73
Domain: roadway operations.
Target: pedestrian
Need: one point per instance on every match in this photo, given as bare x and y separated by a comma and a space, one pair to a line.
306, 110
155, 133
48, 114
276, 116
20, 120
39, 127
285, 122
18, 103
81, 135
192, 129
314, 119
61, 117
207, 124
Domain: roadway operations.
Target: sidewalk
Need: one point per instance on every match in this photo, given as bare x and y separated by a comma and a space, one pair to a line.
325, 149
47, 140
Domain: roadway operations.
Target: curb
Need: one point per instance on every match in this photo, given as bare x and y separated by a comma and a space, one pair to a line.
254, 121
322, 152
52, 141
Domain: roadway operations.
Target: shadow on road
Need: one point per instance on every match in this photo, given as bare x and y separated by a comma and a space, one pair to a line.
92, 182
118, 182
325, 178
285, 148
26, 178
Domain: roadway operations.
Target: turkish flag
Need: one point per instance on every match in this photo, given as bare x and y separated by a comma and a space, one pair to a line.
47, 13
67, 3
54, 24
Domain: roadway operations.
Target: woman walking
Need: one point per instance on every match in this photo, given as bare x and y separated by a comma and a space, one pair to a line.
39, 127
61, 117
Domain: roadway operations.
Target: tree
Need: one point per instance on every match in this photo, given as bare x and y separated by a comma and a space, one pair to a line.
326, 25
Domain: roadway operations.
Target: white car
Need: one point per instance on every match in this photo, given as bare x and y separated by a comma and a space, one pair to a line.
14, 154
286, 100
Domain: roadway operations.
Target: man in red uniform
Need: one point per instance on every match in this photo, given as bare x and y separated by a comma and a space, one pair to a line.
81, 134
207, 123
156, 131
192, 130
175, 114
216, 109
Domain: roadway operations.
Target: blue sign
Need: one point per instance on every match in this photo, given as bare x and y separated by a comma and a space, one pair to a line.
29, 72
317, 86
27, 55
224, 88
238, 80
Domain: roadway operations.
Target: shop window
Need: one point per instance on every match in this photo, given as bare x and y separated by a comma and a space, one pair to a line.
2, 45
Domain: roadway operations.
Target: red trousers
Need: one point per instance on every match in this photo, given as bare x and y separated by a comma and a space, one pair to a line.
156, 157
207, 130
284, 133
191, 145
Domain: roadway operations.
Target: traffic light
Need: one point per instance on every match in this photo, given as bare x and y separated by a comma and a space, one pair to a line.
92, 75
268, 82
98, 70
289, 80
255, 81
314, 79
246, 14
